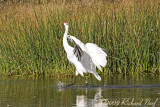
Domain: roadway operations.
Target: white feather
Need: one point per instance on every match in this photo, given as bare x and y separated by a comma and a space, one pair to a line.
97, 54
92, 57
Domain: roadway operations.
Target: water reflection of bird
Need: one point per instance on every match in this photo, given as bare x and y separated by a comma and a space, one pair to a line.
98, 101
85, 57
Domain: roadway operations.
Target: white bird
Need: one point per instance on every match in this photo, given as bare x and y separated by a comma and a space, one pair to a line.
85, 57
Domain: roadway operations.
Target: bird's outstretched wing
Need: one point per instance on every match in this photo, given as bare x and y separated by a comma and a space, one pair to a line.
83, 57
97, 54
79, 47
77, 51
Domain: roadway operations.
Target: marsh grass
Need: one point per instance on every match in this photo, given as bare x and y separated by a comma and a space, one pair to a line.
31, 35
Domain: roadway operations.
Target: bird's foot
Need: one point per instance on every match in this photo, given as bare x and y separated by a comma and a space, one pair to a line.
86, 84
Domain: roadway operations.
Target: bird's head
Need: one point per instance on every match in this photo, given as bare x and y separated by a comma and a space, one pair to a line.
66, 28
65, 24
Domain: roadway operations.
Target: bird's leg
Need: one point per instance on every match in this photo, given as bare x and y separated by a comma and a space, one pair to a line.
73, 82
86, 83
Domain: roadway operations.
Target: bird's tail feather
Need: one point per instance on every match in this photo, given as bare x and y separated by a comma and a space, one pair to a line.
97, 76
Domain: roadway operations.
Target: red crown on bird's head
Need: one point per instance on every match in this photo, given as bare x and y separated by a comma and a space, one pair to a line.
65, 22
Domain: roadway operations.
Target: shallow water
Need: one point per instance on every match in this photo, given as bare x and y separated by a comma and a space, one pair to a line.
42, 92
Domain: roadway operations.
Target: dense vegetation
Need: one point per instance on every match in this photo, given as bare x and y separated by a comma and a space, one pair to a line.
31, 34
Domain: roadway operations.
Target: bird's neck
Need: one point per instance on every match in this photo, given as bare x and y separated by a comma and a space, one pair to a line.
67, 47
66, 30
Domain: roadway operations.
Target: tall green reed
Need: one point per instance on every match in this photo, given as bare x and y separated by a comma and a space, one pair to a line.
129, 32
